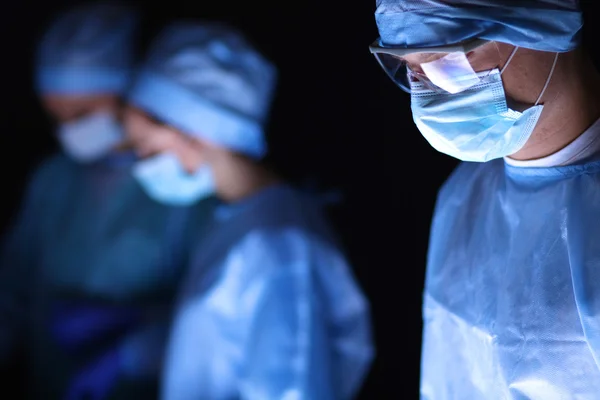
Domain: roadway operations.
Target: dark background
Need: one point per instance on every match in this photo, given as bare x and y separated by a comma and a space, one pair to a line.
336, 117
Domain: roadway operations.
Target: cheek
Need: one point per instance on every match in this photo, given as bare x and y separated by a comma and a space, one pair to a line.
524, 81
518, 86
136, 128
132, 128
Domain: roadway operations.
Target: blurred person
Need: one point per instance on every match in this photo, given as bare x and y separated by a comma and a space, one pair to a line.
270, 308
88, 273
512, 296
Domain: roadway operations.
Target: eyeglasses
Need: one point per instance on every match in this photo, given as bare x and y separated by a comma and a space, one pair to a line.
403, 65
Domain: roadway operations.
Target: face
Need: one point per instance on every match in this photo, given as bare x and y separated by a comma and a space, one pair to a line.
526, 76
68, 108
148, 136
523, 79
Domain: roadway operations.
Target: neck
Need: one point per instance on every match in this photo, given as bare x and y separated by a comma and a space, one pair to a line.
573, 106
244, 178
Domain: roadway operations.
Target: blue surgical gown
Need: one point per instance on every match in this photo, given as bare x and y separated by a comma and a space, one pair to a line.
270, 309
512, 296
89, 234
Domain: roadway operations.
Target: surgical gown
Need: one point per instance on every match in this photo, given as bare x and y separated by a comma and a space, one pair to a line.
270, 309
88, 235
512, 297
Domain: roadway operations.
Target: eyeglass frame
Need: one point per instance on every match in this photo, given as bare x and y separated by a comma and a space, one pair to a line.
375, 48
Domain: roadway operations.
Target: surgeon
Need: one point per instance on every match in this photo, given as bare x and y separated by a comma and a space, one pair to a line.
269, 309
88, 273
512, 296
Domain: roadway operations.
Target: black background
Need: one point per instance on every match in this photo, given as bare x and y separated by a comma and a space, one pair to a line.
336, 116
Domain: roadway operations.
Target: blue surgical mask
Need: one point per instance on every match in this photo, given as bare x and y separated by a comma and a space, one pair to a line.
475, 124
90, 138
165, 180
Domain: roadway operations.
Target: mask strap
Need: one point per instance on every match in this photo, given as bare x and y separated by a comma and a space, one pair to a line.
509, 59
548, 80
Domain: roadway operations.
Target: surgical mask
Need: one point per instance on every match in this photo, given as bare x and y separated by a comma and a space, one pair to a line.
165, 180
475, 124
90, 138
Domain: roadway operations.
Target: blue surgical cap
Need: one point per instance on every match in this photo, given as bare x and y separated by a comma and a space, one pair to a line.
88, 50
545, 25
206, 80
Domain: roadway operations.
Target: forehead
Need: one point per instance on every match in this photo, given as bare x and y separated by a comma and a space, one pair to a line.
69, 102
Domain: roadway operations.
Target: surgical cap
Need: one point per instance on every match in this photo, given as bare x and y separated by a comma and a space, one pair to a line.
88, 50
207, 81
545, 25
